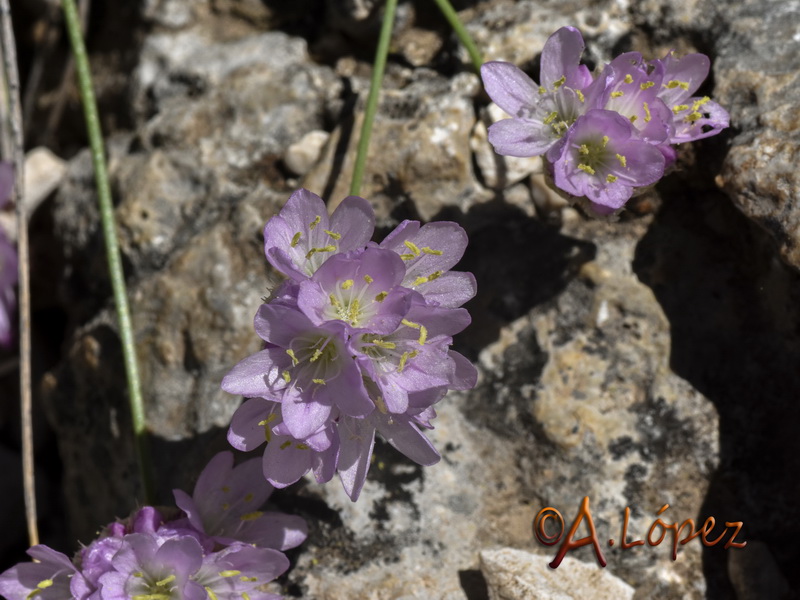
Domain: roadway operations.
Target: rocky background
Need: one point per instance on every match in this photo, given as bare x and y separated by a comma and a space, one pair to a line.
647, 361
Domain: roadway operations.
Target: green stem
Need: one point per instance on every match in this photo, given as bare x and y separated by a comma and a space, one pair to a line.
372, 99
463, 35
112, 247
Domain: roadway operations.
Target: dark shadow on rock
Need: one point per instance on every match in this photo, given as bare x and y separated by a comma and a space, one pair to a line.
473, 584
519, 262
735, 321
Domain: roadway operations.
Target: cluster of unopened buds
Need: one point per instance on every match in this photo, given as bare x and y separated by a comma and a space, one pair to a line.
356, 340
219, 546
602, 138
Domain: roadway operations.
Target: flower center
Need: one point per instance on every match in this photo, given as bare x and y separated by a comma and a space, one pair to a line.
314, 359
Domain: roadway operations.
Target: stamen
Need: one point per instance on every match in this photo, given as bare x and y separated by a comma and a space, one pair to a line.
427, 250
559, 82
647, 116
313, 251
384, 344
166, 580
617, 94
211, 594
230, 573
633, 118
646, 85
334, 301
315, 222
333, 234
423, 335
286, 377
622, 160
584, 149
295, 238
413, 247
628, 78
381, 297
675, 83
368, 279
300, 446
347, 284
435, 275
693, 117
605, 141
290, 352
381, 405
285, 444
679, 107
318, 381
611, 178
550, 118
251, 516
411, 324
542, 89
580, 95
249, 497
698, 103
586, 169
315, 356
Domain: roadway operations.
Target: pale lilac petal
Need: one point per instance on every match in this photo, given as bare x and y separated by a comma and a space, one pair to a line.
509, 87
450, 290
682, 76
520, 137
284, 464
303, 418
357, 437
354, 220
245, 433
406, 438
258, 375
466, 375
280, 324
347, 391
561, 56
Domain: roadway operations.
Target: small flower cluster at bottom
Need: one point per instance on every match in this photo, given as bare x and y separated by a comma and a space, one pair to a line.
220, 548
357, 340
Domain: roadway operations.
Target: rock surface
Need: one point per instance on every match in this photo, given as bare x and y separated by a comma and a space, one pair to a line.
641, 363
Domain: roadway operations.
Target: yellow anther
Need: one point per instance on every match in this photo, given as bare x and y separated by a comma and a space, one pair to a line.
313, 251
408, 256
628, 78
402, 364
347, 284
413, 247
166, 580
419, 281
333, 234
381, 405
315, 222
287, 377
249, 497
368, 279
319, 381
617, 94
586, 169
611, 178
266, 421
622, 160
290, 352
44, 584
411, 324
211, 594
245, 596
550, 118
137, 574
680, 107
423, 335
647, 116
251, 516
427, 250
247, 579
316, 356
295, 238
229, 573
675, 83
605, 141
580, 95
633, 118
699, 102
435, 275
381, 297
584, 149
300, 446
559, 82
384, 344
334, 301
646, 85
692, 117
542, 89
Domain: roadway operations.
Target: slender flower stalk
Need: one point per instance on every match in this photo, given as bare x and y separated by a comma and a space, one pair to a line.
461, 32
372, 99
112, 247
26, 404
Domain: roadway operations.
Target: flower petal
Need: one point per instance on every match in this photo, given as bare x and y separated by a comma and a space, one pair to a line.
520, 137
509, 87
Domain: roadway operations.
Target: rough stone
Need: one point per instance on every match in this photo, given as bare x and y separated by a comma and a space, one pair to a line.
518, 575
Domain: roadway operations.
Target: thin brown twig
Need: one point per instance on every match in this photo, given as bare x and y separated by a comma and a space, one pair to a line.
26, 403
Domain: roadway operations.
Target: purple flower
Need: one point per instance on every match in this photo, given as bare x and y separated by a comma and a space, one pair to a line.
541, 114
302, 237
147, 569
226, 506
604, 161
240, 571
48, 579
693, 117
